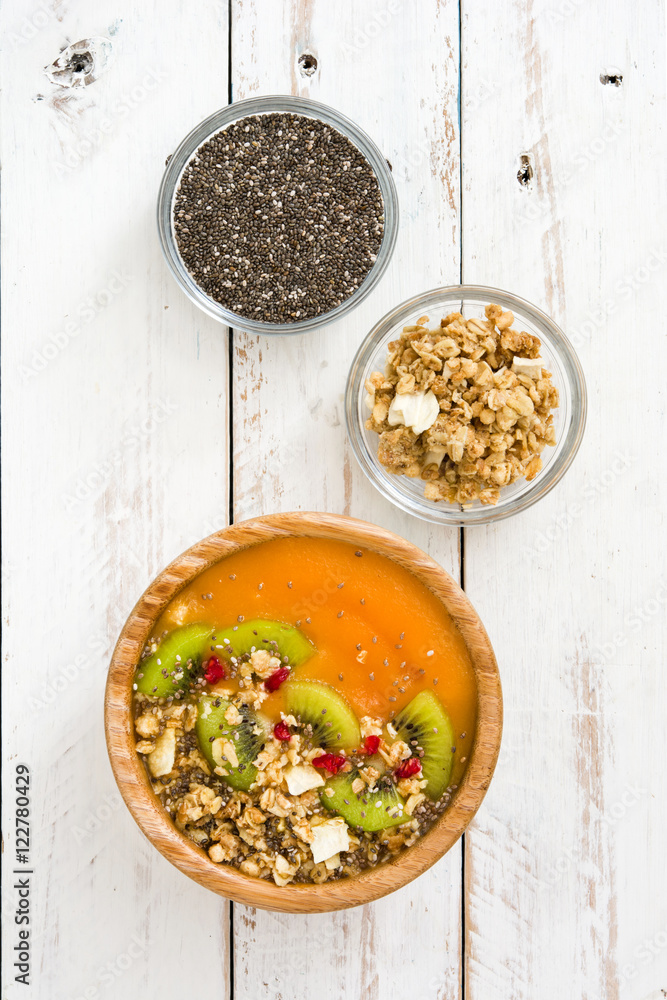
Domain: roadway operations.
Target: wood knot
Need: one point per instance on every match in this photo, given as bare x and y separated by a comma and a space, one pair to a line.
615, 79
307, 64
525, 171
81, 63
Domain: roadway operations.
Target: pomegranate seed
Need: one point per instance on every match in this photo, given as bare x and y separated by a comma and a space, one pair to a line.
372, 744
214, 671
273, 682
281, 731
408, 768
330, 762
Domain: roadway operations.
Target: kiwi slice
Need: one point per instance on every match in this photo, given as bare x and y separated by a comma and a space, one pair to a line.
370, 811
176, 659
315, 704
211, 725
425, 720
279, 639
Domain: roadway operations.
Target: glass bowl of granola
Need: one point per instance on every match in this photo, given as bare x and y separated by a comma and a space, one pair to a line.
465, 405
303, 712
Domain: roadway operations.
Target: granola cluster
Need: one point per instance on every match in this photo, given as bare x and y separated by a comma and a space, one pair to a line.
270, 831
487, 397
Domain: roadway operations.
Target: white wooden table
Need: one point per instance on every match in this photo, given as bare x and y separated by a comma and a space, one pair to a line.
134, 425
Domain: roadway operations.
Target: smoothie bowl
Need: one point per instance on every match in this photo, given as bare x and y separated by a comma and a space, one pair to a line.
303, 712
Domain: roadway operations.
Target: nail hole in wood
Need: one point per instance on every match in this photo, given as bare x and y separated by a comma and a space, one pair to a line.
81, 62
307, 64
525, 172
615, 79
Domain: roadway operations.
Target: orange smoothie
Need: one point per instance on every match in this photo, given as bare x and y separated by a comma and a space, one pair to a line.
380, 635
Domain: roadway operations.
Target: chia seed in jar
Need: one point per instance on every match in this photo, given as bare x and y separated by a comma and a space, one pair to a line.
279, 217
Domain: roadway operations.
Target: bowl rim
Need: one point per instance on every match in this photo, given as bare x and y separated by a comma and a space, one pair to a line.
543, 482
267, 104
131, 775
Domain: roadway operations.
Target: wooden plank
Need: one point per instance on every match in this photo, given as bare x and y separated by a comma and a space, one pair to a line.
107, 471
565, 874
393, 69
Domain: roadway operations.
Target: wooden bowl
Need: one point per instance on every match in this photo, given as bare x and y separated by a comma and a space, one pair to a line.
131, 775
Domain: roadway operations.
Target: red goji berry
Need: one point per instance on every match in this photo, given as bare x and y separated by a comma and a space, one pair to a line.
408, 768
214, 671
281, 731
273, 682
330, 762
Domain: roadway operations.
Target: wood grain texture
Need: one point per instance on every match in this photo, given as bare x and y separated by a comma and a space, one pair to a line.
393, 67
106, 471
566, 884
131, 775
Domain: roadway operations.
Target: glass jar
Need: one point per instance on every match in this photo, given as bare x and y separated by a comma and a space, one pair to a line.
216, 123
559, 358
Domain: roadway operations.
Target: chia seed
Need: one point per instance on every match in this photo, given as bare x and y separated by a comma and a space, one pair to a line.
279, 217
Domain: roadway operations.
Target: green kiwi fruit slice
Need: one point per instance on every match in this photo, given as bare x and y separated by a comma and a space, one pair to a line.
279, 639
176, 659
425, 720
211, 725
334, 724
370, 811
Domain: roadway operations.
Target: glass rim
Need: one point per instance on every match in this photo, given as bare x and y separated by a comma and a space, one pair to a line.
216, 122
543, 483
